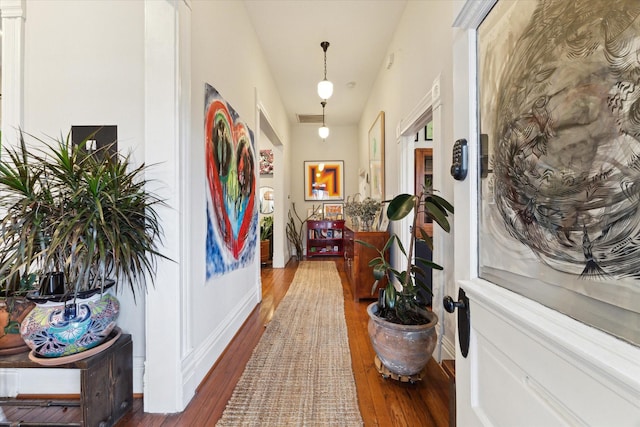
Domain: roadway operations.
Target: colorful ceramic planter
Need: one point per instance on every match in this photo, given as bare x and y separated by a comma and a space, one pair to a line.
62, 328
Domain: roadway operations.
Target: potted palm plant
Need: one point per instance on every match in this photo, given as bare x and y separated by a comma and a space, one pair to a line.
81, 222
401, 327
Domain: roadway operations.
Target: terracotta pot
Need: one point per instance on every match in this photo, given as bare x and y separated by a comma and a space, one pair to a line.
265, 249
403, 349
62, 328
11, 341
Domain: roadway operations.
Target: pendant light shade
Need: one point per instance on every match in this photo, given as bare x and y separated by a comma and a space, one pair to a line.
325, 87
323, 132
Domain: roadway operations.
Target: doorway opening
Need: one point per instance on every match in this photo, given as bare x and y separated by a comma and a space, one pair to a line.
423, 173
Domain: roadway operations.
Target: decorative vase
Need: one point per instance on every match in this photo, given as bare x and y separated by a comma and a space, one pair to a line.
12, 311
61, 328
402, 349
355, 221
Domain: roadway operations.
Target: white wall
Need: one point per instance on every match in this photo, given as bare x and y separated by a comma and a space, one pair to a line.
422, 51
342, 144
79, 71
226, 55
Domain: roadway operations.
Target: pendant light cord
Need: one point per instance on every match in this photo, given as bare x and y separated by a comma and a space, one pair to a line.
325, 46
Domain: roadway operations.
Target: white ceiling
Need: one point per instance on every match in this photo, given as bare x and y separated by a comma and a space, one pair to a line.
359, 31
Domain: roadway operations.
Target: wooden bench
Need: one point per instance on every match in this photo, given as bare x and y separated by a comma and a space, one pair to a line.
106, 385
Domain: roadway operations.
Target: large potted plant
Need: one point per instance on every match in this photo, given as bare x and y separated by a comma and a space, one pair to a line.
401, 327
81, 222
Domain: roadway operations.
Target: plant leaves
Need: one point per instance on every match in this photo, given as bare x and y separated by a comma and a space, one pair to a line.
401, 206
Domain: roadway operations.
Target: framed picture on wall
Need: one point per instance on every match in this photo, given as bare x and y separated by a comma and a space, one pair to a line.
324, 180
376, 157
266, 162
333, 211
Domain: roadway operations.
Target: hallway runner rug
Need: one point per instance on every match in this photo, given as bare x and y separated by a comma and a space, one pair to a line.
300, 372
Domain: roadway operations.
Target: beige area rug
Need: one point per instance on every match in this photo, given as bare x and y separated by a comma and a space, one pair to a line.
300, 372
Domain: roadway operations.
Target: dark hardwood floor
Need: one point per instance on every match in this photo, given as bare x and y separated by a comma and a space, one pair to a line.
383, 402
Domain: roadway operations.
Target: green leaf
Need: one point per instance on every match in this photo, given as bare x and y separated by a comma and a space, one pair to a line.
379, 272
401, 206
425, 238
438, 216
429, 263
390, 296
367, 244
442, 202
389, 243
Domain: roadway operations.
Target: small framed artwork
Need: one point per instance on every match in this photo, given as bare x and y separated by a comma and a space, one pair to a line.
324, 180
333, 211
376, 157
314, 213
266, 162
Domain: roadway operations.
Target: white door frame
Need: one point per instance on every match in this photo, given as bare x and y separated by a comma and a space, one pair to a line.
429, 107
265, 124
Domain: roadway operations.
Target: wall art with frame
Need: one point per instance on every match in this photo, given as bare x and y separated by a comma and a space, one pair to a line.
560, 205
266, 162
376, 157
333, 211
324, 180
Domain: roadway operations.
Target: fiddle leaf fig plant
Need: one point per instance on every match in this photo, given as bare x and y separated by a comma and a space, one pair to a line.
400, 303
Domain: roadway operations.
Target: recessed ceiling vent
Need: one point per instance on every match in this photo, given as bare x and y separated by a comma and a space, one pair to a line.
309, 118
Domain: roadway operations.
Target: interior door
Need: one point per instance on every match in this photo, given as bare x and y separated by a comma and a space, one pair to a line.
527, 365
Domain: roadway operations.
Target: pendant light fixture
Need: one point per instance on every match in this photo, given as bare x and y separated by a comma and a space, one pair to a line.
325, 87
324, 130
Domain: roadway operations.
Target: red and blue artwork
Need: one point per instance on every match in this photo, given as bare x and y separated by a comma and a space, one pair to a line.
232, 215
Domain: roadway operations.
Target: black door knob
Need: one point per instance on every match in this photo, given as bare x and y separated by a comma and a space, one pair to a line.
464, 318
450, 305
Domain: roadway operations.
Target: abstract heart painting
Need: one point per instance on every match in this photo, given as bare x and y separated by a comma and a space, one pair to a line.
232, 215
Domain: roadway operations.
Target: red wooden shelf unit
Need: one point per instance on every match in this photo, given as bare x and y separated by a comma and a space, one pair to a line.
324, 238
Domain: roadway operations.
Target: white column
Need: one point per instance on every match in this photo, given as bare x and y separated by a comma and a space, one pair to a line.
12, 113
167, 89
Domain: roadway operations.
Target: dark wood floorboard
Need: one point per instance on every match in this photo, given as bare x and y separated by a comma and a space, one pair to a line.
383, 402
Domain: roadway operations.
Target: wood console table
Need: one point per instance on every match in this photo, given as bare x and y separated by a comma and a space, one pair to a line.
356, 261
106, 385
